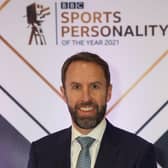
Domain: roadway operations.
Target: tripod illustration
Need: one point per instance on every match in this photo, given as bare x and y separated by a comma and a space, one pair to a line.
35, 15
37, 33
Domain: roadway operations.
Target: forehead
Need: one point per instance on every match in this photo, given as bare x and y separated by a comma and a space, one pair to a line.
84, 66
84, 70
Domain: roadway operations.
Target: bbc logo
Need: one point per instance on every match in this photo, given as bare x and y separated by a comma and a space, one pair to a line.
72, 5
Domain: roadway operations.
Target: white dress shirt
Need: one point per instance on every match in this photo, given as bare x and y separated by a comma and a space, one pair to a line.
97, 134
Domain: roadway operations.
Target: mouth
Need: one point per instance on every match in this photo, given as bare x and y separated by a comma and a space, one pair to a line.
86, 109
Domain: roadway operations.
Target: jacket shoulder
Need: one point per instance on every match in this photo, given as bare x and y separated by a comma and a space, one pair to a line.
53, 139
127, 138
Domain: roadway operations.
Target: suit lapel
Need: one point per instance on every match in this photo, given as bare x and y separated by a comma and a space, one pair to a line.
109, 150
64, 155
67, 152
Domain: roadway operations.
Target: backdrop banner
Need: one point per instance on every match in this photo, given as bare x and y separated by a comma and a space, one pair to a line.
36, 38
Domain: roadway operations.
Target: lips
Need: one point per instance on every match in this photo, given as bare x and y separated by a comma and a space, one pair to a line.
86, 109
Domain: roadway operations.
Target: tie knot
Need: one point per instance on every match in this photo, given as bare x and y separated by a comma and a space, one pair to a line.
85, 142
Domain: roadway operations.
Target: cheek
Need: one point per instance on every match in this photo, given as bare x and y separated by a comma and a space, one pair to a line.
100, 98
71, 100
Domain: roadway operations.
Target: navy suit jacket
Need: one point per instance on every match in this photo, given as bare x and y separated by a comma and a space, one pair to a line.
118, 149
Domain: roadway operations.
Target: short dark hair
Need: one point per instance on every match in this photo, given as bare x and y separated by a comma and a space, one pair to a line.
87, 57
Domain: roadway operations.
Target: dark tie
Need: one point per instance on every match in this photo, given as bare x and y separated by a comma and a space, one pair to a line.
84, 160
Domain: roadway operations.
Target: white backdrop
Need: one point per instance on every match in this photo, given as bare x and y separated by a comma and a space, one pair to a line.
138, 58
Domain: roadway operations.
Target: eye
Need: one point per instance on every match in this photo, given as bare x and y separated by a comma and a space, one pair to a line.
95, 86
76, 86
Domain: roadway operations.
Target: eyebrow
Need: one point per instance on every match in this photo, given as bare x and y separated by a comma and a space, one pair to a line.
97, 82
74, 83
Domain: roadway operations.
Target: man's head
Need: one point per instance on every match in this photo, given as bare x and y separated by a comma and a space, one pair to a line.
86, 89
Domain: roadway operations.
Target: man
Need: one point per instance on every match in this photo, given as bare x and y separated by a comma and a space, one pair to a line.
86, 89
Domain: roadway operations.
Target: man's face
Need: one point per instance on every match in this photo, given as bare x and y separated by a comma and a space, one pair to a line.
86, 94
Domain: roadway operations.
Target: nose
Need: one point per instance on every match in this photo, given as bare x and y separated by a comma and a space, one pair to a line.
86, 95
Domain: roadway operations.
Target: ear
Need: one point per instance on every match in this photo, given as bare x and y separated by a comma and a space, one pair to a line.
63, 93
109, 92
